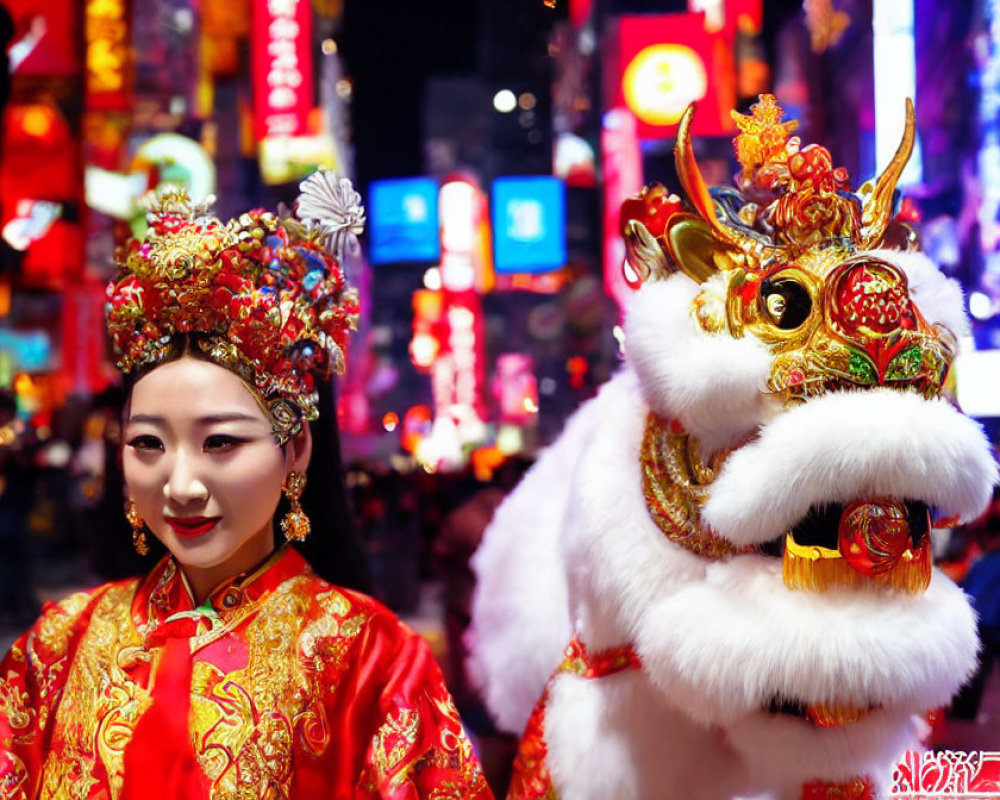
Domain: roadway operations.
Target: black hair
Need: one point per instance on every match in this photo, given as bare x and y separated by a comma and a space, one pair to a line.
333, 548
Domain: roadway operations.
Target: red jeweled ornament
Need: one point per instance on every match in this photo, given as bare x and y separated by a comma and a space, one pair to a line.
653, 207
873, 535
872, 299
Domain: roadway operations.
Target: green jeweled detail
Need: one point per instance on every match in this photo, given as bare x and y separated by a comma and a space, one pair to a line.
906, 365
861, 370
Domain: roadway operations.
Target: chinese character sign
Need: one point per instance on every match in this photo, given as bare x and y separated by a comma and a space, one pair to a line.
282, 67
947, 775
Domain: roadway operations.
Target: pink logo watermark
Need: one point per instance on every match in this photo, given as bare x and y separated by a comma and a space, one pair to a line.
947, 775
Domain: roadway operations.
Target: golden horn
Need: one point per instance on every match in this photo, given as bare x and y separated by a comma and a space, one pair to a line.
694, 185
877, 212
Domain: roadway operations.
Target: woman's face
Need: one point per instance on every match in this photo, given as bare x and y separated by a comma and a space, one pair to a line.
203, 468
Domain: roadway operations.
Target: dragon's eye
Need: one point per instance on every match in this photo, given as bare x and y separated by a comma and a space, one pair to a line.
786, 302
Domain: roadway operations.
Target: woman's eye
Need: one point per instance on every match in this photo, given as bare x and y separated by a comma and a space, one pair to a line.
219, 442
145, 443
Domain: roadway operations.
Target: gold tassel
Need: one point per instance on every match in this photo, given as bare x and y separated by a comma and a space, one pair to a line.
819, 568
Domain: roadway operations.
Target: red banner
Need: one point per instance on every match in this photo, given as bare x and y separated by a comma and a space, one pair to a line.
83, 336
668, 61
45, 39
459, 374
282, 66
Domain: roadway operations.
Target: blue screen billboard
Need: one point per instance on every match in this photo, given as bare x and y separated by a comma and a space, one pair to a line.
529, 224
403, 220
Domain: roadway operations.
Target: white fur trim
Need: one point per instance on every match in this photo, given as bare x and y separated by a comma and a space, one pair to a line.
907, 653
846, 446
714, 384
520, 609
784, 753
520, 617
614, 737
617, 558
938, 297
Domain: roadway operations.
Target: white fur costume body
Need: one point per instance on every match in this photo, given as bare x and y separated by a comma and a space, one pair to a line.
574, 551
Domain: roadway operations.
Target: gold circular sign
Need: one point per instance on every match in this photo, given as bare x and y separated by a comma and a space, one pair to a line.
662, 80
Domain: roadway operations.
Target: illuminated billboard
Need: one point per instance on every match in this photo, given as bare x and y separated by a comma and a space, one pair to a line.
666, 62
403, 220
46, 36
282, 66
106, 34
529, 224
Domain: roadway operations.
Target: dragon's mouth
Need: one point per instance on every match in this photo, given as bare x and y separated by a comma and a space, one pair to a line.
821, 715
868, 542
820, 527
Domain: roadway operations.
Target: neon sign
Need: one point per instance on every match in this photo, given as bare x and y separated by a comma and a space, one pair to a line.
662, 80
106, 37
458, 374
283, 70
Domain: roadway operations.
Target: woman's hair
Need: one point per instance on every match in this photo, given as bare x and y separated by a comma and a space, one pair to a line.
333, 548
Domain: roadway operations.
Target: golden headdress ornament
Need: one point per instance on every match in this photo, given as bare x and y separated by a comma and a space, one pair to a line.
787, 199
263, 295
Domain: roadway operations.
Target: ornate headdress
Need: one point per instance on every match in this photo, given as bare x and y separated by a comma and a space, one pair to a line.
262, 295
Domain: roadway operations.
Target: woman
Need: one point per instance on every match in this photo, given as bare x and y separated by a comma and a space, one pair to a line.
231, 670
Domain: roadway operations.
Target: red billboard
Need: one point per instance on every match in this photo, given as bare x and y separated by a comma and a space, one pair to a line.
666, 62
282, 67
45, 40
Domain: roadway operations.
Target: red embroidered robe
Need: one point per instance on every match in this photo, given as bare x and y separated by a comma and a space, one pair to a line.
299, 690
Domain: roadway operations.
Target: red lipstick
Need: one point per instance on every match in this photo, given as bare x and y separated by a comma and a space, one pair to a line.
190, 527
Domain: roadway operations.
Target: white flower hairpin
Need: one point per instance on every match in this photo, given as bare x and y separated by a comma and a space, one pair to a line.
330, 201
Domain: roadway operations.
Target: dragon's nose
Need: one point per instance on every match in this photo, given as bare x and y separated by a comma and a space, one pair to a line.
871, 299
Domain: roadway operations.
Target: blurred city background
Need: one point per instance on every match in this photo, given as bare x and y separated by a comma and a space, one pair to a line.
492, 142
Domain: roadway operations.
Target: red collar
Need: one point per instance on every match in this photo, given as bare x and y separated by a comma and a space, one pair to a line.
579, 661
165, 595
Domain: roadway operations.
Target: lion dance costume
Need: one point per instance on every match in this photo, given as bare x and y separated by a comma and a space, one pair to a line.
719, 578
279, 686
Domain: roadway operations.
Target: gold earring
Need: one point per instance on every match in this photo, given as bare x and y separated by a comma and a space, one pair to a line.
138, 529
295, 525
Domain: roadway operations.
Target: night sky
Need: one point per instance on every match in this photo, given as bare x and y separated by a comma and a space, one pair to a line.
390, 48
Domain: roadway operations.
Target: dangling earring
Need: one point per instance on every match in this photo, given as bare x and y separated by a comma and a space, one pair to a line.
295, 525
138, 529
